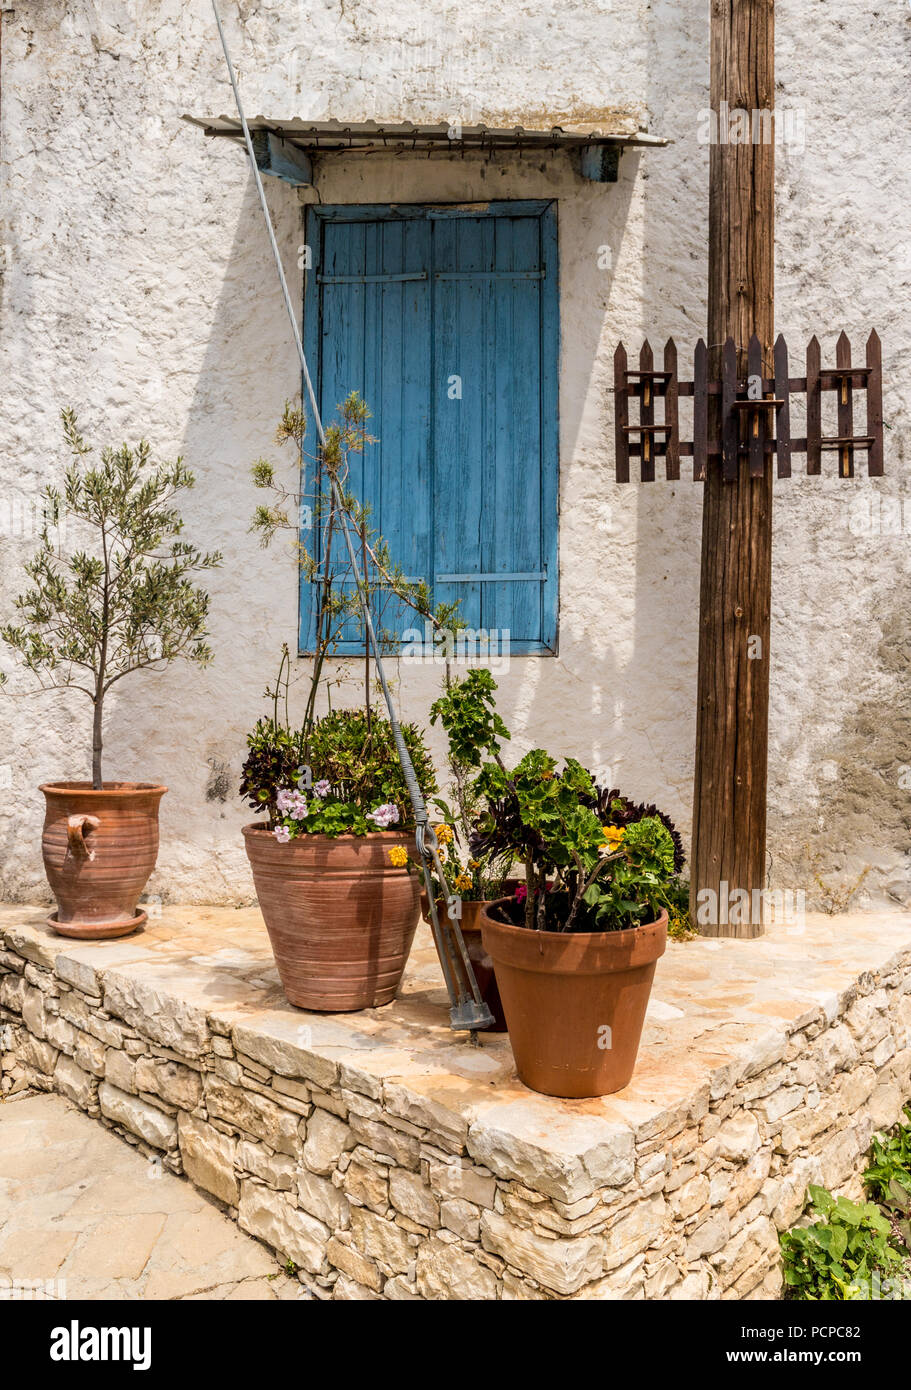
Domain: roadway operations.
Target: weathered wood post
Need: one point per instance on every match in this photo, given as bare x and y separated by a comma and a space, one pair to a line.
729, 806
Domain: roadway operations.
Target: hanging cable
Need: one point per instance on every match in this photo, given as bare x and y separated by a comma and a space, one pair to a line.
467, 1009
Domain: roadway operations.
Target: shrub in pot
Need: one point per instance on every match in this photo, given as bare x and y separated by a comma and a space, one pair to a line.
331, 873
117, 599
575, 947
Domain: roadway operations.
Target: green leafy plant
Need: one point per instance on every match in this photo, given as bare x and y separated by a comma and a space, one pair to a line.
888, 1178
582, 872
123, 603
835, 1258
473, 728
467, 711
338, 776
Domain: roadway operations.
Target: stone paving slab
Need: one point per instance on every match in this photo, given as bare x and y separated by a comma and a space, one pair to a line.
721, 1011
86, 1216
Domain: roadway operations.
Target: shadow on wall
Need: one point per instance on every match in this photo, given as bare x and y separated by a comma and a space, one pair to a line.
246, 373
629, 616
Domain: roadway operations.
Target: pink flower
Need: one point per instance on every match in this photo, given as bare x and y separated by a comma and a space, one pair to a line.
282, 834
321, 788
521, 893
298, 808
384, 815
285, 799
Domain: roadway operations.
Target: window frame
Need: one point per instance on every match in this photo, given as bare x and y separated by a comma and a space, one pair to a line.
545, 209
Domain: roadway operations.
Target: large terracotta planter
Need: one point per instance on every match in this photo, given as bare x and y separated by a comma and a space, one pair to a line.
99, 849
575, 1004
341, 918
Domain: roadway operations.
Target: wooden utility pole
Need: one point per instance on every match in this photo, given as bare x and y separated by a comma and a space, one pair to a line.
729, 812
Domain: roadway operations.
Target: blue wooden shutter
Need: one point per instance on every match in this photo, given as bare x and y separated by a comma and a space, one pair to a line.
371, 293
494, 509
447, 325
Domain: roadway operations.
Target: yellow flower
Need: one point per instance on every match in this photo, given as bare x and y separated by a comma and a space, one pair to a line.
443, 834
613, 836
398, 855
474, 865
463, 883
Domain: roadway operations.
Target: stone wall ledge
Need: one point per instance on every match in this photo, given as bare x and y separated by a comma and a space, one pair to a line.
390, 1158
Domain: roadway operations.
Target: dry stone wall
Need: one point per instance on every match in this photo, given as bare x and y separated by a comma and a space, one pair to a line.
377, 1192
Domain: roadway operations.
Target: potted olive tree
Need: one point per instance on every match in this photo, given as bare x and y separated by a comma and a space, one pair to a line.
119, 599
574, 948
330, 871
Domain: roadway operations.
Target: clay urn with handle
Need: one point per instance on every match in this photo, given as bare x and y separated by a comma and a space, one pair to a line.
100, 847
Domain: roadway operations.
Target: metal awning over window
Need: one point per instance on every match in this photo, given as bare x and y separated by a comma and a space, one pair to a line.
285, 147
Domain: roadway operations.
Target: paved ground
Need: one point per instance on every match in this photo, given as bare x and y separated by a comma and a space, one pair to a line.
83, 1209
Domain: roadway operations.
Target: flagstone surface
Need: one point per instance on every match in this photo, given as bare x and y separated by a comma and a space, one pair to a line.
83, 1215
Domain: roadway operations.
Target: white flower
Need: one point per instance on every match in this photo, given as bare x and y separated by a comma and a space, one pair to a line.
384, 815
282, 834
321, 788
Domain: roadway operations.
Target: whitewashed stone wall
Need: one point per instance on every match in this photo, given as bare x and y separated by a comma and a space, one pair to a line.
376, 1191
138, 287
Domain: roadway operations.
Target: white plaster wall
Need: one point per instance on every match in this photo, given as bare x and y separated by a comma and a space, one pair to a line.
140, 289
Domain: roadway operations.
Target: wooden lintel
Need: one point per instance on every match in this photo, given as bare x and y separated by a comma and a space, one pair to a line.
282, 160
600, 163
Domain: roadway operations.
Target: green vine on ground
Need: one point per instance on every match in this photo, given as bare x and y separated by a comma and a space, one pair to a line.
857, 1250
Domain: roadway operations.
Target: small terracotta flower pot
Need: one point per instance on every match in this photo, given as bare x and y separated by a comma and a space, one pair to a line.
100, 848
480, 960
341, 918
574, 1004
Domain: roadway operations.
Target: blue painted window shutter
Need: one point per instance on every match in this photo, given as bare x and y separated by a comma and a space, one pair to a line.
446, 321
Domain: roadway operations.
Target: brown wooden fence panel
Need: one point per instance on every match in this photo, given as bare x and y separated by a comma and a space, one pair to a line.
875, 405
814, 407
671, 413
700, 411
756, 419
783, 413
753, 420
730, 426
621, 416
647, 412
845, 408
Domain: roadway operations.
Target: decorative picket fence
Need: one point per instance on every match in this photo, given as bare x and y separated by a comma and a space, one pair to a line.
752, 417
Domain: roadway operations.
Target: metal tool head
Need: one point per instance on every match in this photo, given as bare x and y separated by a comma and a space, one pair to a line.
468, 1014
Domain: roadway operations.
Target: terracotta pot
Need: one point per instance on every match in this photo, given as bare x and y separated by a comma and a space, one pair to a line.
99, 849
340, 917
480, 960
574, 1004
